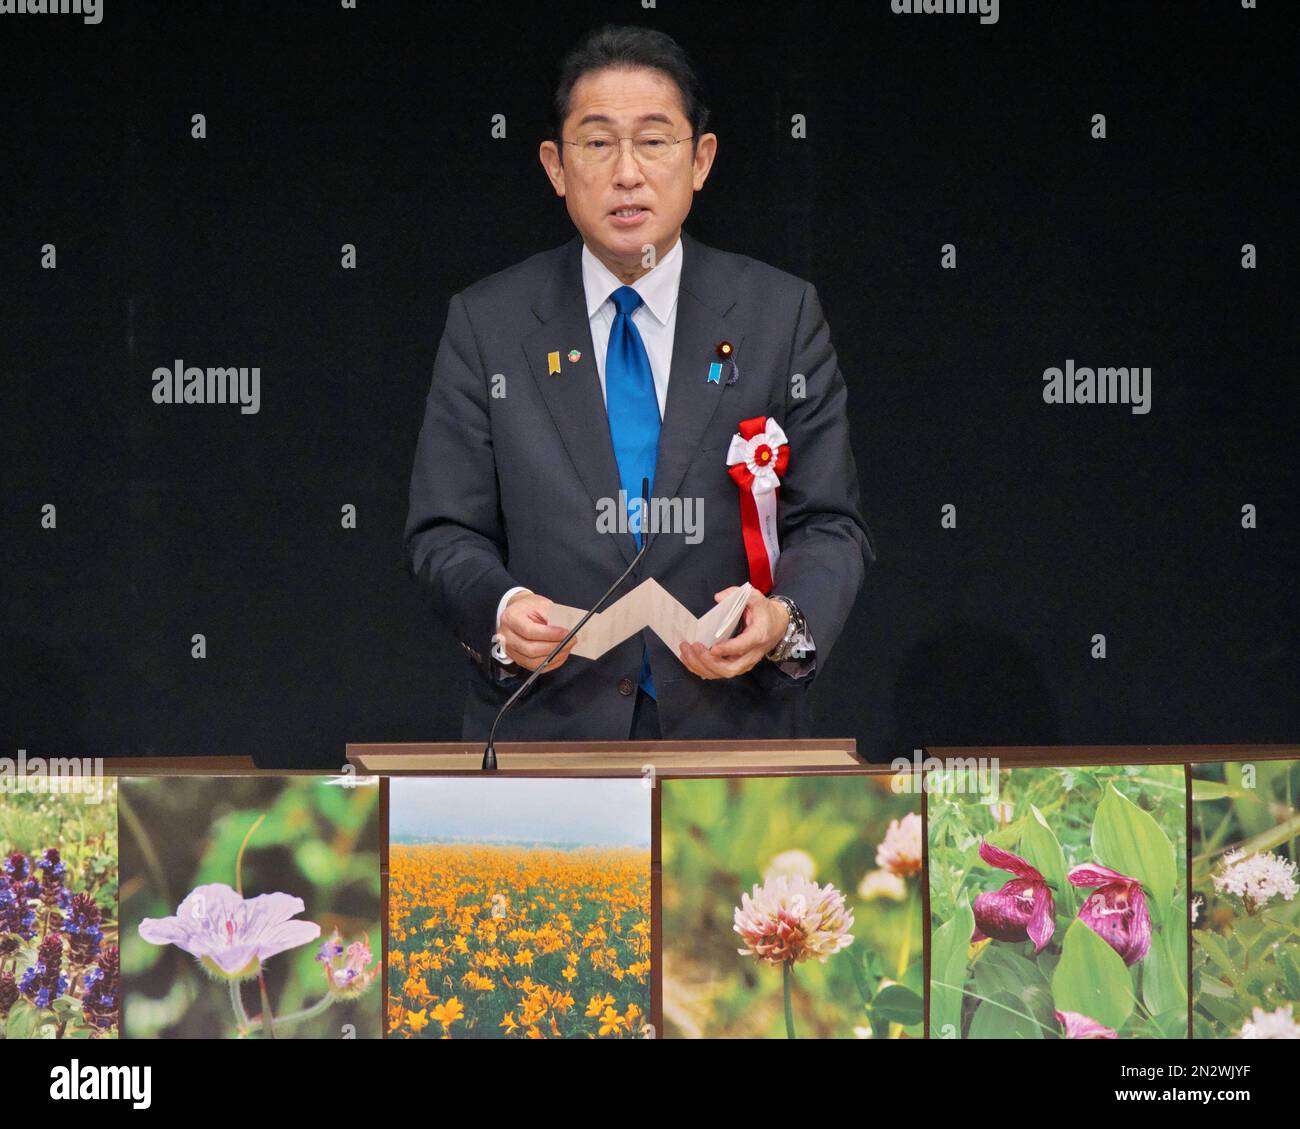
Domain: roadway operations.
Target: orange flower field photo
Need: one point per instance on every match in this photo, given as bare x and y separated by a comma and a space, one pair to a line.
518, 915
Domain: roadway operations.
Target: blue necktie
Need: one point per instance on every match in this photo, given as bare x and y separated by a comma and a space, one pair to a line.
633, 412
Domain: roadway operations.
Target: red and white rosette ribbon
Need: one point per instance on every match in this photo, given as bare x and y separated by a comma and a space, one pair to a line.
756, 459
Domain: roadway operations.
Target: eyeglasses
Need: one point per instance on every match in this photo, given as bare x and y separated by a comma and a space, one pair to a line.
601, 148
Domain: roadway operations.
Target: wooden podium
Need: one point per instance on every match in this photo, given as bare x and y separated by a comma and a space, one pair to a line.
686, 758
615, 758
755, 758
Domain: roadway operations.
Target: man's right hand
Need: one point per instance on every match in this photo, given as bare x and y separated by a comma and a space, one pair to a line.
525, 634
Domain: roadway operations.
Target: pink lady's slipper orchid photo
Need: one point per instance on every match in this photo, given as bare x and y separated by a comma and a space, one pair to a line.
232, 935
1022, 910
1084, 1027
1116, 911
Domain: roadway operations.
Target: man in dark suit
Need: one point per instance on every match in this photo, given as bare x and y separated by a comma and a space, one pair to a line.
631, 352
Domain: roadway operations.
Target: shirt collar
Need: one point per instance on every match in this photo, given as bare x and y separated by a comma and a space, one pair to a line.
657, 287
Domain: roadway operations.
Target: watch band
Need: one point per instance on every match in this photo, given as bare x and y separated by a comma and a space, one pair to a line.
794, 631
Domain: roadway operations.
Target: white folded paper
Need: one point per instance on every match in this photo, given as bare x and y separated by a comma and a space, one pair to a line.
650, 605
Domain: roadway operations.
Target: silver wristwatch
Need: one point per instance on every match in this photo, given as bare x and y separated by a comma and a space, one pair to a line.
794, 632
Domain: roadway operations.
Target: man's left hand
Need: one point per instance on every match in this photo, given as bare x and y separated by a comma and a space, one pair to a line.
763, 626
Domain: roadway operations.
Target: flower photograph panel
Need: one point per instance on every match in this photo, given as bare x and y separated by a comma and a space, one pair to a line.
519, 908
250, 907
58, 909
1245, 913
1058, 904
791, 908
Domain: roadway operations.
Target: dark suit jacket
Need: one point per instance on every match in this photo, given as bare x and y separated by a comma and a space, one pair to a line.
505, 488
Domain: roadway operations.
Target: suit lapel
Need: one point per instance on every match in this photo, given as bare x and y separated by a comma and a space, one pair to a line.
703, 300
573, 396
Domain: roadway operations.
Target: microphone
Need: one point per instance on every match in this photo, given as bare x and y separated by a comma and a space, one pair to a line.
490, 753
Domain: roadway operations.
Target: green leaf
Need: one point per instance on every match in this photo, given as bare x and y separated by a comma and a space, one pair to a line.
1267, 938
860, 978
897, 1004
1290, 964
318, 862
1226, 1011
1246, 929
1211, 944
1001, 969
1164, 977
949, 949
1003, 1017
1091, 978
1127, 839
23, 1018
1213, 987
1203, 790
1039, 846
1037, 1000
914, 977
874, 966
1171, 1024
1258, 981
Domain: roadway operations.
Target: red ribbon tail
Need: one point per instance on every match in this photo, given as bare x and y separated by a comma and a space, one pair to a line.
760, 574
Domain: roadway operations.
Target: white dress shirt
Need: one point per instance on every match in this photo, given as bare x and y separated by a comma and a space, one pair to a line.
656, 321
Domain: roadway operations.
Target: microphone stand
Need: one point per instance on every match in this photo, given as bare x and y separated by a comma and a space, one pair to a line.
490, 753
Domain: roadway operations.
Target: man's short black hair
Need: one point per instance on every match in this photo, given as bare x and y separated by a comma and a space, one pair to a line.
626, 48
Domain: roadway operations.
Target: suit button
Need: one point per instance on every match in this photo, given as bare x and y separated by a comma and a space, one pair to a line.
626, 686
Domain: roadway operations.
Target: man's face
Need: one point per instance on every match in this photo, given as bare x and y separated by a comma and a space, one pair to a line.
627, 103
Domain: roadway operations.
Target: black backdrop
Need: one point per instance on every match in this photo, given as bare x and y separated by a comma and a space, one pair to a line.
329, 126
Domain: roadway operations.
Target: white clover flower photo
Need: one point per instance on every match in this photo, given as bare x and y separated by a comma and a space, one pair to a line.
250, 908
1246, 931
791, 908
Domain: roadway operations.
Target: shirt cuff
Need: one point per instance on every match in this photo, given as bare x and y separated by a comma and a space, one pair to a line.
803, 659
498, 648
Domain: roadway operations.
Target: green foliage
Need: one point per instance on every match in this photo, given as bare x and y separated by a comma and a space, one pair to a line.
1164, 974
1091, 978
948, 949
1039, 845
1013, 994
1003, 1017
1127, 839
1244, 956
897, 1004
